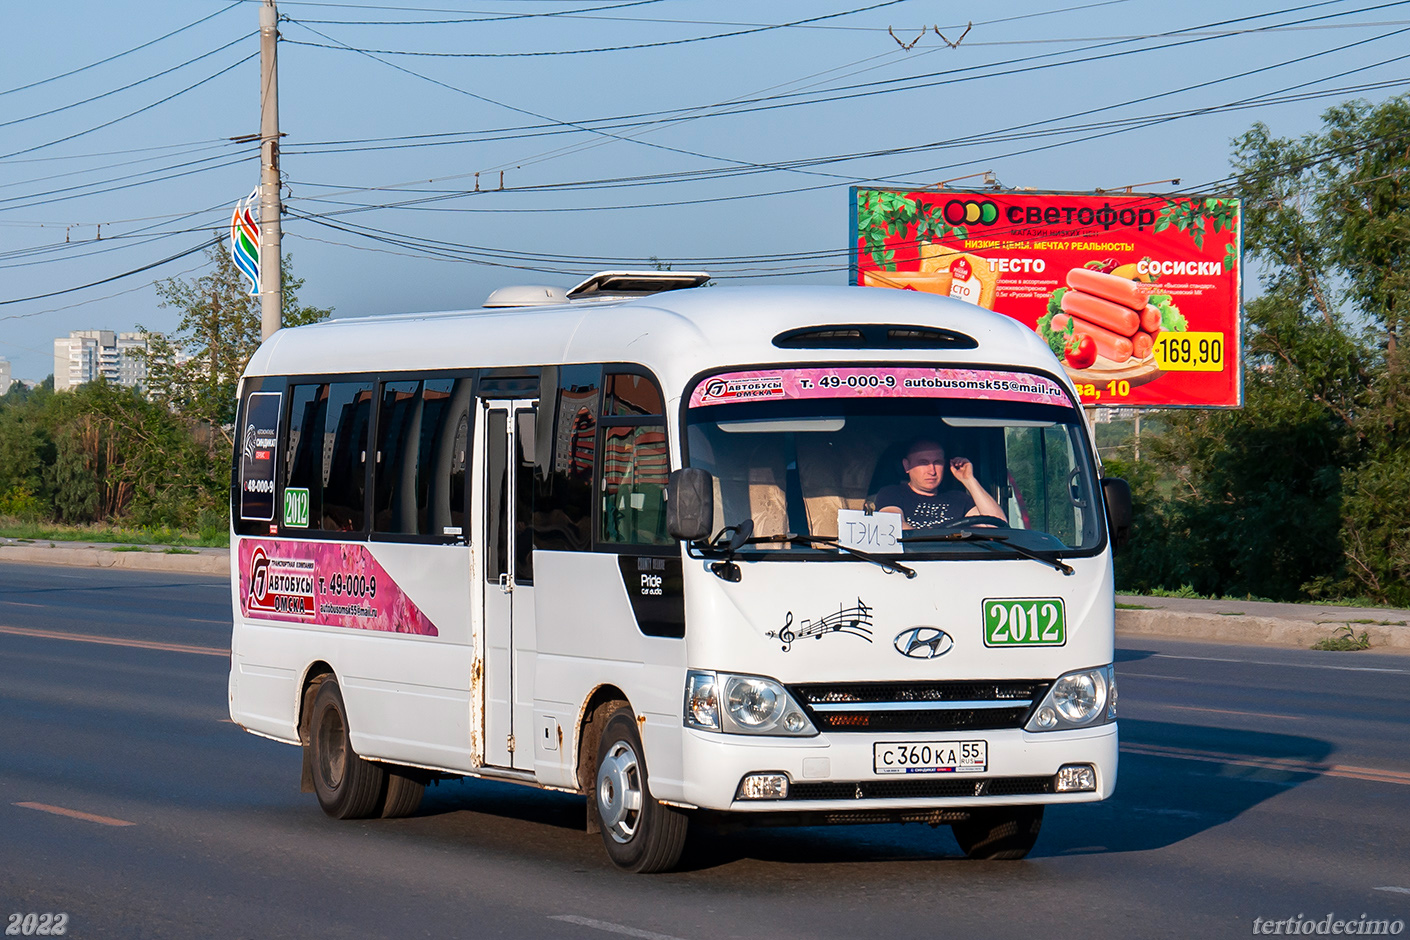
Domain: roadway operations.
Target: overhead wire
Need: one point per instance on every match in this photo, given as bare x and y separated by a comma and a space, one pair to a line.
144, 108
773, 102
623, 48
130, 85
119, 55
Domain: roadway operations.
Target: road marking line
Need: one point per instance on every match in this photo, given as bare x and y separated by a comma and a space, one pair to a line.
1397, 890
1224, 711
611, 927
75, 814
1260, 662
114, 641
1290, 765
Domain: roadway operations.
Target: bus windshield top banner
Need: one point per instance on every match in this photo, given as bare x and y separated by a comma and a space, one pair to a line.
876, 382
1137, 295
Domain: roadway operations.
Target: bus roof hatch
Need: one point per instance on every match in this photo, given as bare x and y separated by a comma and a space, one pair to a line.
611, 285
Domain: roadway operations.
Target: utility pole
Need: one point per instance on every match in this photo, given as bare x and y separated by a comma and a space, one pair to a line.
271, 288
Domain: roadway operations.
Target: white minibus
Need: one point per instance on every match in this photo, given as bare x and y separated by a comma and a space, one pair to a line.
775, 556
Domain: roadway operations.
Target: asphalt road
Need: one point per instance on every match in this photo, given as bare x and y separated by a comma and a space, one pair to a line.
1255, 783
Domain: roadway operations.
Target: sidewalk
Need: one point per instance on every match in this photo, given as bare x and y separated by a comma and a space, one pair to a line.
1259, 622
102, 555
1252, 622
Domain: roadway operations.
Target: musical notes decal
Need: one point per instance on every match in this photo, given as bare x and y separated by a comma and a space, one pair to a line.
854, 620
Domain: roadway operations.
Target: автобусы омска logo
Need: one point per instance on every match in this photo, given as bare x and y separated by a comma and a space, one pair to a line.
923, 642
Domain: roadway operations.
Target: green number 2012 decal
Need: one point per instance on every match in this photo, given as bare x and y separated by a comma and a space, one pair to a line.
1024, 621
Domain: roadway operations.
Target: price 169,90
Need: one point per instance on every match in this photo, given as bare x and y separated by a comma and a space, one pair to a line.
1190, 352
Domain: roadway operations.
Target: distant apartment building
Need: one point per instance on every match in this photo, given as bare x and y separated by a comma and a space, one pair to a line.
4, 376
84, 355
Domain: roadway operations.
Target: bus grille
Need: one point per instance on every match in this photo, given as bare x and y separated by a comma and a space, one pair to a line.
919, 789
964, 705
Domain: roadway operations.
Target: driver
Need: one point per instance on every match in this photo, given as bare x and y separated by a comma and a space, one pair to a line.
920, 501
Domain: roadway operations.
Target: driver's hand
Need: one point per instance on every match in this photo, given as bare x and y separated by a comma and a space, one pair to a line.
962, 469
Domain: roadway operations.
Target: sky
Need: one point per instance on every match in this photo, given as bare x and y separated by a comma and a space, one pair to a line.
435, 150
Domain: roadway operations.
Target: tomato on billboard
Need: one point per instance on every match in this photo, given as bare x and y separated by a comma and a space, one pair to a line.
1137, 295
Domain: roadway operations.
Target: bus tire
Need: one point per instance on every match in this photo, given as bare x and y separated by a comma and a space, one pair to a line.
999, 834
403, 795
640, 834
347, 786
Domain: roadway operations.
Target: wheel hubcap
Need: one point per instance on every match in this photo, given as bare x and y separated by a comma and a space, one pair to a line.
619, 792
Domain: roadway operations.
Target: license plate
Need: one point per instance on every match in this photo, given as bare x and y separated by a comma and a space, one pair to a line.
931, 757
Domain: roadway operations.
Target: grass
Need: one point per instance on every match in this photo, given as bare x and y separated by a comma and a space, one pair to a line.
118, 534
127, 548
1344, 640
1186, 590
1121, 606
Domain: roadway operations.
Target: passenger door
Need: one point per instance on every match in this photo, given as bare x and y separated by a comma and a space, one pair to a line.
507, 441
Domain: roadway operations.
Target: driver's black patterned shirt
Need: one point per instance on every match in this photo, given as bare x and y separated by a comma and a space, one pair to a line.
924, 511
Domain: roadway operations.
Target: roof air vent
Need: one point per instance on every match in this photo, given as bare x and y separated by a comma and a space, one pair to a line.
874, 336
524, 295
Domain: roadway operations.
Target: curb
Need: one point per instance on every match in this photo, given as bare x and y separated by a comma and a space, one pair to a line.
1259, 631
207, 562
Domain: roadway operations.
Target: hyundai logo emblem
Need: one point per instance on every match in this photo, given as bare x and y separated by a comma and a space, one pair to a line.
923, 642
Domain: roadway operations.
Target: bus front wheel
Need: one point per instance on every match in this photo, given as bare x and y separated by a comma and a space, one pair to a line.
347, 786
1001, 833
641, 834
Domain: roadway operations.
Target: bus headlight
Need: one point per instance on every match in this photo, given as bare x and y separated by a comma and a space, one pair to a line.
742, 705
1082, 699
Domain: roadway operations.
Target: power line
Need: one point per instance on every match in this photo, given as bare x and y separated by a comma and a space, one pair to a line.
485, 16
645, 45
111, 58
776, 102
130, 85
209, 243
191, 87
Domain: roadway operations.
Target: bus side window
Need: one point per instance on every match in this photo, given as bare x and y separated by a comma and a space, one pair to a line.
394, 470
344, 472
303, 464
442, 451
635, 463
423, 428
253, 502
562, 511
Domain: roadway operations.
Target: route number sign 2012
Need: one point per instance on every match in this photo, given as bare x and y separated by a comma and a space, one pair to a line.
1024, 621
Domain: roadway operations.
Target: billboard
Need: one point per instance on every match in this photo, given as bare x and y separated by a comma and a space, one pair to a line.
1137, 295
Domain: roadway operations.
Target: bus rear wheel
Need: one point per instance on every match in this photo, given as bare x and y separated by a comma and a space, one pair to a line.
1001, 833
403, 795
640, 834
347, 786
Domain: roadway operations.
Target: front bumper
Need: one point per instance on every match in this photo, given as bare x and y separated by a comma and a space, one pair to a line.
833, 772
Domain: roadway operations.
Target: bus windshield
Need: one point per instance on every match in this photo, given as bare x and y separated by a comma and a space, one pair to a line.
1000, 455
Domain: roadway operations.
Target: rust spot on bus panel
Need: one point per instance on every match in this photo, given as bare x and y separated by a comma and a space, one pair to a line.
477, 715
640, 722
560, 740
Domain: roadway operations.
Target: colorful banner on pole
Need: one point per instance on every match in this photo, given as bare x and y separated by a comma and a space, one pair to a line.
1138, 295
244, 239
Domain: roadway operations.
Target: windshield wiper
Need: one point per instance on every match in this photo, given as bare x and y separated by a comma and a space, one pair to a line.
987, 539
885, 563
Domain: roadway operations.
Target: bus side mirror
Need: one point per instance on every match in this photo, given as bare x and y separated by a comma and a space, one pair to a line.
1117, 494
690, 504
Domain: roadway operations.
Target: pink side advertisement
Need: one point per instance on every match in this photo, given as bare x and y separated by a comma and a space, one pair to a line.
877, 382
327, 584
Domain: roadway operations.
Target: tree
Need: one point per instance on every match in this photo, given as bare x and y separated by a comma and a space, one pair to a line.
196, 369
1305, 490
